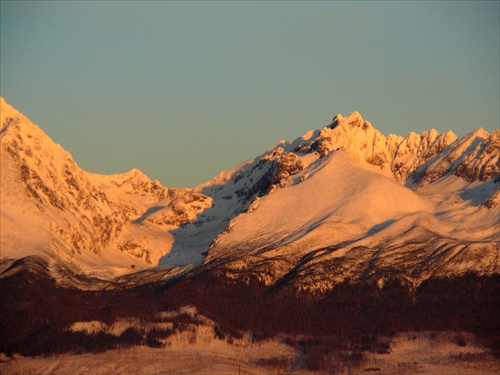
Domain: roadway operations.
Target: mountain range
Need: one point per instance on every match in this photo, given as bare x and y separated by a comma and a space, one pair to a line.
342, 208
340, 202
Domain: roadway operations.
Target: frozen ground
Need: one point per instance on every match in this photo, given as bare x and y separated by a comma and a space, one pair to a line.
411, 353
215, 358
431, 353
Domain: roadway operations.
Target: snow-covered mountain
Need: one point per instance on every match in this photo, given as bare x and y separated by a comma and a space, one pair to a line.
347, 202
93, 223
341, 202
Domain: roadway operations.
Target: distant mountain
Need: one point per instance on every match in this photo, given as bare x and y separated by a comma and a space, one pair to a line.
341, 202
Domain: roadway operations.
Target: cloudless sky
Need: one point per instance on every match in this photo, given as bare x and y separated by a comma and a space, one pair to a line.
184, 90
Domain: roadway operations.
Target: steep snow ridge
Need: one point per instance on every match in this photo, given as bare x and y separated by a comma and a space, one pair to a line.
451, 157
483, 162
414, 150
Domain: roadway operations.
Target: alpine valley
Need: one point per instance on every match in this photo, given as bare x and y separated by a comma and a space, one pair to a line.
332, 245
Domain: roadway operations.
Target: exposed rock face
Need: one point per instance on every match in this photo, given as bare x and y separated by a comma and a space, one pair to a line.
493, 201
414, 150
449, 159
483, 163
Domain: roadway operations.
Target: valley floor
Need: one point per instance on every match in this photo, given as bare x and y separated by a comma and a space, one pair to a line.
410, 353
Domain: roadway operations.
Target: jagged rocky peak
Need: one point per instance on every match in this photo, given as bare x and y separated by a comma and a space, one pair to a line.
357, 138
473, 157
36, 161
483, 162
416, 158
340, 127
354, 120
419, 156
393, 141
414, 150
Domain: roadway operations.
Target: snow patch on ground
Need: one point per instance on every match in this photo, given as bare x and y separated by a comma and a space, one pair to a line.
410, 353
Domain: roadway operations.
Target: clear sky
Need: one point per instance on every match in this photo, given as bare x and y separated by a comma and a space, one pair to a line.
184, 90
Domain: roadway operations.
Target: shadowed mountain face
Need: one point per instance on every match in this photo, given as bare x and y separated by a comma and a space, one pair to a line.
343, 227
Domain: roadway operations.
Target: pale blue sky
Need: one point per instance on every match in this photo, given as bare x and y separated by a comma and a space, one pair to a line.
184, 90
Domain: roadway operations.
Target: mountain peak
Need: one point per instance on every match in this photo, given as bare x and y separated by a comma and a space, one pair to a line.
354, 120
5, 107
8, 115
479, 132
3, 103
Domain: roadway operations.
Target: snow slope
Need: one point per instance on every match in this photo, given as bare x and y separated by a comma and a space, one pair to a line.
199, 351
338, 197
423, 353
